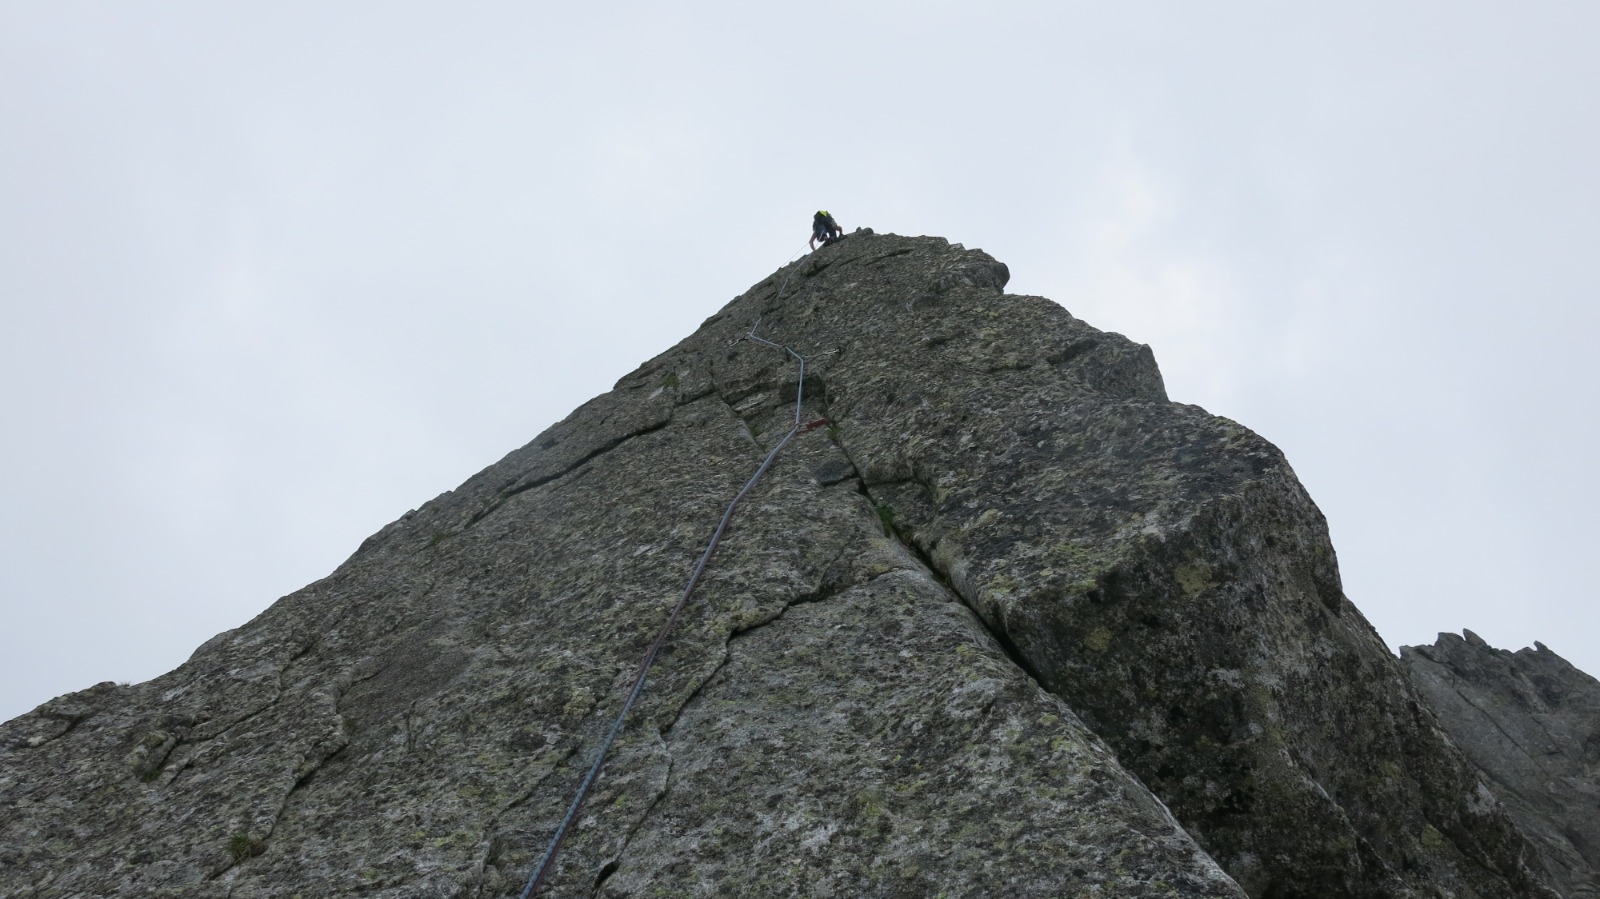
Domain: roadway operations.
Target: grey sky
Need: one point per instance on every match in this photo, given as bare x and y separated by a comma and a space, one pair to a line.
273, 274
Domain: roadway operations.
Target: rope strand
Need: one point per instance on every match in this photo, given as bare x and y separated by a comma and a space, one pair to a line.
548, 861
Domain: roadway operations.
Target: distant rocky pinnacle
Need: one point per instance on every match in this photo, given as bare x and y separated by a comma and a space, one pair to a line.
1531, 723
1012, 624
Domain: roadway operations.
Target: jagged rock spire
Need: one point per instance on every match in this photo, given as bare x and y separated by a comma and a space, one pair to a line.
1531, 723
976, 638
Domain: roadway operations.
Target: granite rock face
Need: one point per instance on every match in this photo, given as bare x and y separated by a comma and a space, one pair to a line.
1012, 624
1531, 722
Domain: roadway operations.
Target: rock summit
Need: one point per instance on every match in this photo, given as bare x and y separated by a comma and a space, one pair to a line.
1011, 624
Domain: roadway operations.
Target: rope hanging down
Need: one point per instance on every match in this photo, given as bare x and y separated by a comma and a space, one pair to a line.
548, 861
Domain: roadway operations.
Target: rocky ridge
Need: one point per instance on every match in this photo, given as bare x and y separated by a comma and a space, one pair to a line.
1012, 624
1531, 723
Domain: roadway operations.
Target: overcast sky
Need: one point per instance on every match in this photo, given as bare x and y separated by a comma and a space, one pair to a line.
274, 273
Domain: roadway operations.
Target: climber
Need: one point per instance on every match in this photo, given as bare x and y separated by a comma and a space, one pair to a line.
824, 228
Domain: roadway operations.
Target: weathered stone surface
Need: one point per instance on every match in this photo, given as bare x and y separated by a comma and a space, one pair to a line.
949, 647
1531, 722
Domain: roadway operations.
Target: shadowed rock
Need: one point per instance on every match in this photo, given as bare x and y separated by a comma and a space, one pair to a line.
976, 638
